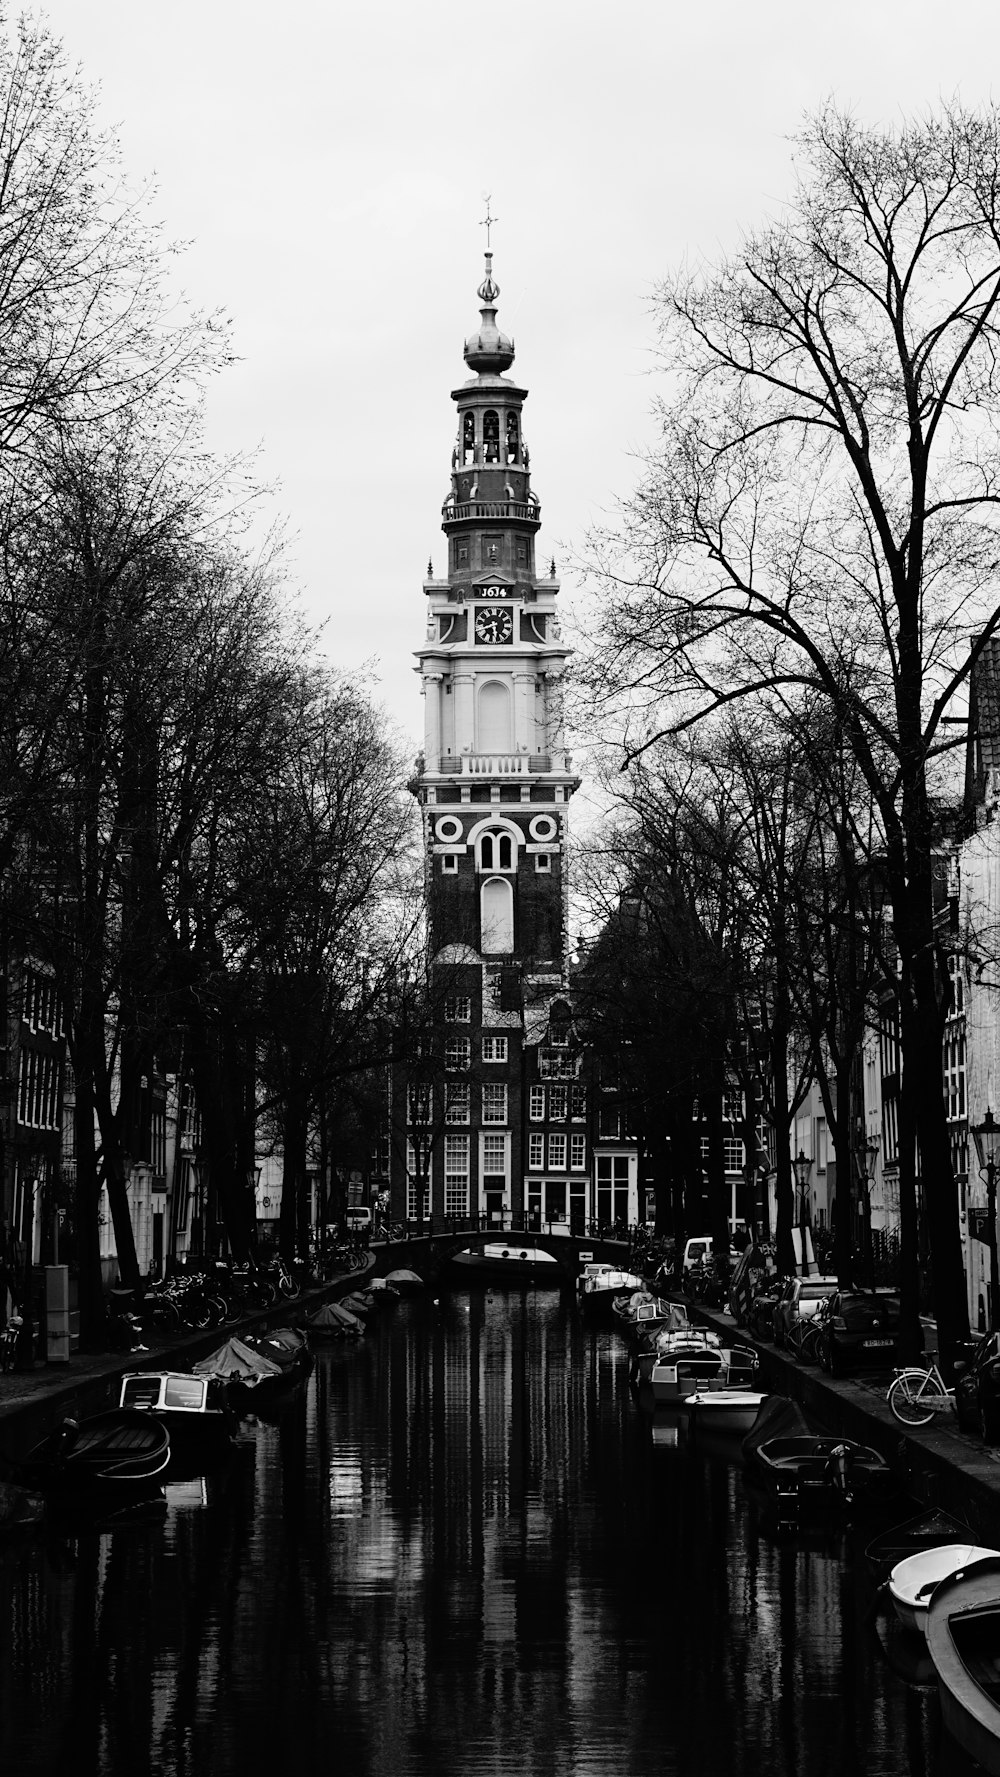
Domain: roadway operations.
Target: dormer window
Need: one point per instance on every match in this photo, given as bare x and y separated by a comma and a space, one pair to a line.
491, 436
496, 851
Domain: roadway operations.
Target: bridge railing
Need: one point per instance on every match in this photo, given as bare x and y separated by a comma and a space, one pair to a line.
496, 1227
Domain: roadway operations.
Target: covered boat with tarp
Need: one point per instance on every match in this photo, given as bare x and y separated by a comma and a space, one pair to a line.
334, 1321
247, 1373
405, 1281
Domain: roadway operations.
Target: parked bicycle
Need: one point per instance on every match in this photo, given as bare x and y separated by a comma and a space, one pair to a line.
916, 1395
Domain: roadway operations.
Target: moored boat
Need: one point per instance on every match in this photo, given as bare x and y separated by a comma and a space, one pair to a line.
113, 1456
642, 1313
914, 1580
500, 1261
334, 1321
695, 1360
404, 1281
196, 1411
799, 1469
963, 1639
731, 1410
926, 1530
247, 1374
598, 1285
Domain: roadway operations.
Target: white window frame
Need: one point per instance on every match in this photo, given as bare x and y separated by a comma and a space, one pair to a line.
458, 1055
558, 1104
536, 1150
458, 1009
457, 1102
536, 1104
577, 1153
449, 864
557, 1153
495, 1095
578, 1103
456, 1175
494, 1049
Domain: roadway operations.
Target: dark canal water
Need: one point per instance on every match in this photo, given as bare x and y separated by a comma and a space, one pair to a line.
463, 1551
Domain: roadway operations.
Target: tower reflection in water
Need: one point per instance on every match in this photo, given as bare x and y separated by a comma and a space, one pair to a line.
461, 1550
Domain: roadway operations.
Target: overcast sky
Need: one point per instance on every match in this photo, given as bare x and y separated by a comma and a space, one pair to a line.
328, 163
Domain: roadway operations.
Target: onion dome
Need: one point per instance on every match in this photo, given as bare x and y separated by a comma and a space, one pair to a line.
488, 349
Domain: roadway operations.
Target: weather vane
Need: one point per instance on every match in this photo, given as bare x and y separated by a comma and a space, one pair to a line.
488, 222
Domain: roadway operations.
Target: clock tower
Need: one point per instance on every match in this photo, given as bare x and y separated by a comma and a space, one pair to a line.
494, 785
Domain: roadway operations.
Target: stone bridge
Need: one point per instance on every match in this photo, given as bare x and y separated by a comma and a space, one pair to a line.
427, 1248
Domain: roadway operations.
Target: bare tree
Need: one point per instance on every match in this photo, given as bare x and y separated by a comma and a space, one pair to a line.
818, 519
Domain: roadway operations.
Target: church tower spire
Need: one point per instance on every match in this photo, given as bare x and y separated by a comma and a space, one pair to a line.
494, 783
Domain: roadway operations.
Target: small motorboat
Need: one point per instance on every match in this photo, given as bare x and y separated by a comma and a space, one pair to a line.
643, 1313
196, 1411
695, 1360
928, 1530
914, 1580
334, 1321
505, 1261
360, 1303
598, 1285
732, 1409
109, 1458
963, 1639
799, 1469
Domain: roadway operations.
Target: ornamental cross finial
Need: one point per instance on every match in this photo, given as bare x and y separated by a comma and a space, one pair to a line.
488, 221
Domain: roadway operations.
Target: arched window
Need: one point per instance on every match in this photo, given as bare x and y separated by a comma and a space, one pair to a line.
491, 436
497, 916
494, 717
513, 442
468, 439
496, 851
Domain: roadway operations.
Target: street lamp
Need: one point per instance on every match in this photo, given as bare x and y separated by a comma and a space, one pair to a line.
802, 1166
866, 1159
987, 1139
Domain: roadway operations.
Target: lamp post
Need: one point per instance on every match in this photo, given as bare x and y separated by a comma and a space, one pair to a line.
866, 1159
987, 1139
802, 1166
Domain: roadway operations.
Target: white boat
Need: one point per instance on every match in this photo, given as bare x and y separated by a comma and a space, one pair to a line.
913, 1581
598, 1285
686, 1360
505, 1261
723, 1409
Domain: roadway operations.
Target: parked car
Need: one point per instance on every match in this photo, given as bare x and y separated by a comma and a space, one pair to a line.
358, 1219
698, 1251
977, 1388
799, 1300
859, 1327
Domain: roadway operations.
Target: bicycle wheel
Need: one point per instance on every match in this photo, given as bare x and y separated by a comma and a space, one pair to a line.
912, 1394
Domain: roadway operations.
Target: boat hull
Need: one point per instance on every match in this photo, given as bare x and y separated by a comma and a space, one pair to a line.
963, 1638
727, 1410
502, 1263
913, 1580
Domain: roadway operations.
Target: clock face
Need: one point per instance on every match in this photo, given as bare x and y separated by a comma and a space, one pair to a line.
494, 626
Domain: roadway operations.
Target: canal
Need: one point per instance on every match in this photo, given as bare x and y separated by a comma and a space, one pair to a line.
464, 1549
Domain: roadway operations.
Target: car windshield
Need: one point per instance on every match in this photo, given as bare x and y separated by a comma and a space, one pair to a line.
816, 1292
886, 1306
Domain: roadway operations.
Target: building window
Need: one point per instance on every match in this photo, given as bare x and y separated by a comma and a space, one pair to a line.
418, 1167
458, 1054
494, 1104
456, 1175
494, 1164
497, 917
609, 1122
553, 1066
494, 1048
732, 1154
536, 1150
578, 1104
536, 1104
512, 444
496, 852
491, 435
578, 1153
468, 438
449, 864
557, 1153
458, 1011
543, 862
557, 1104
458, 1101
419, 1101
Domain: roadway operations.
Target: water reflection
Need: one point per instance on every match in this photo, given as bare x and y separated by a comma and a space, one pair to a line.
461, 1548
